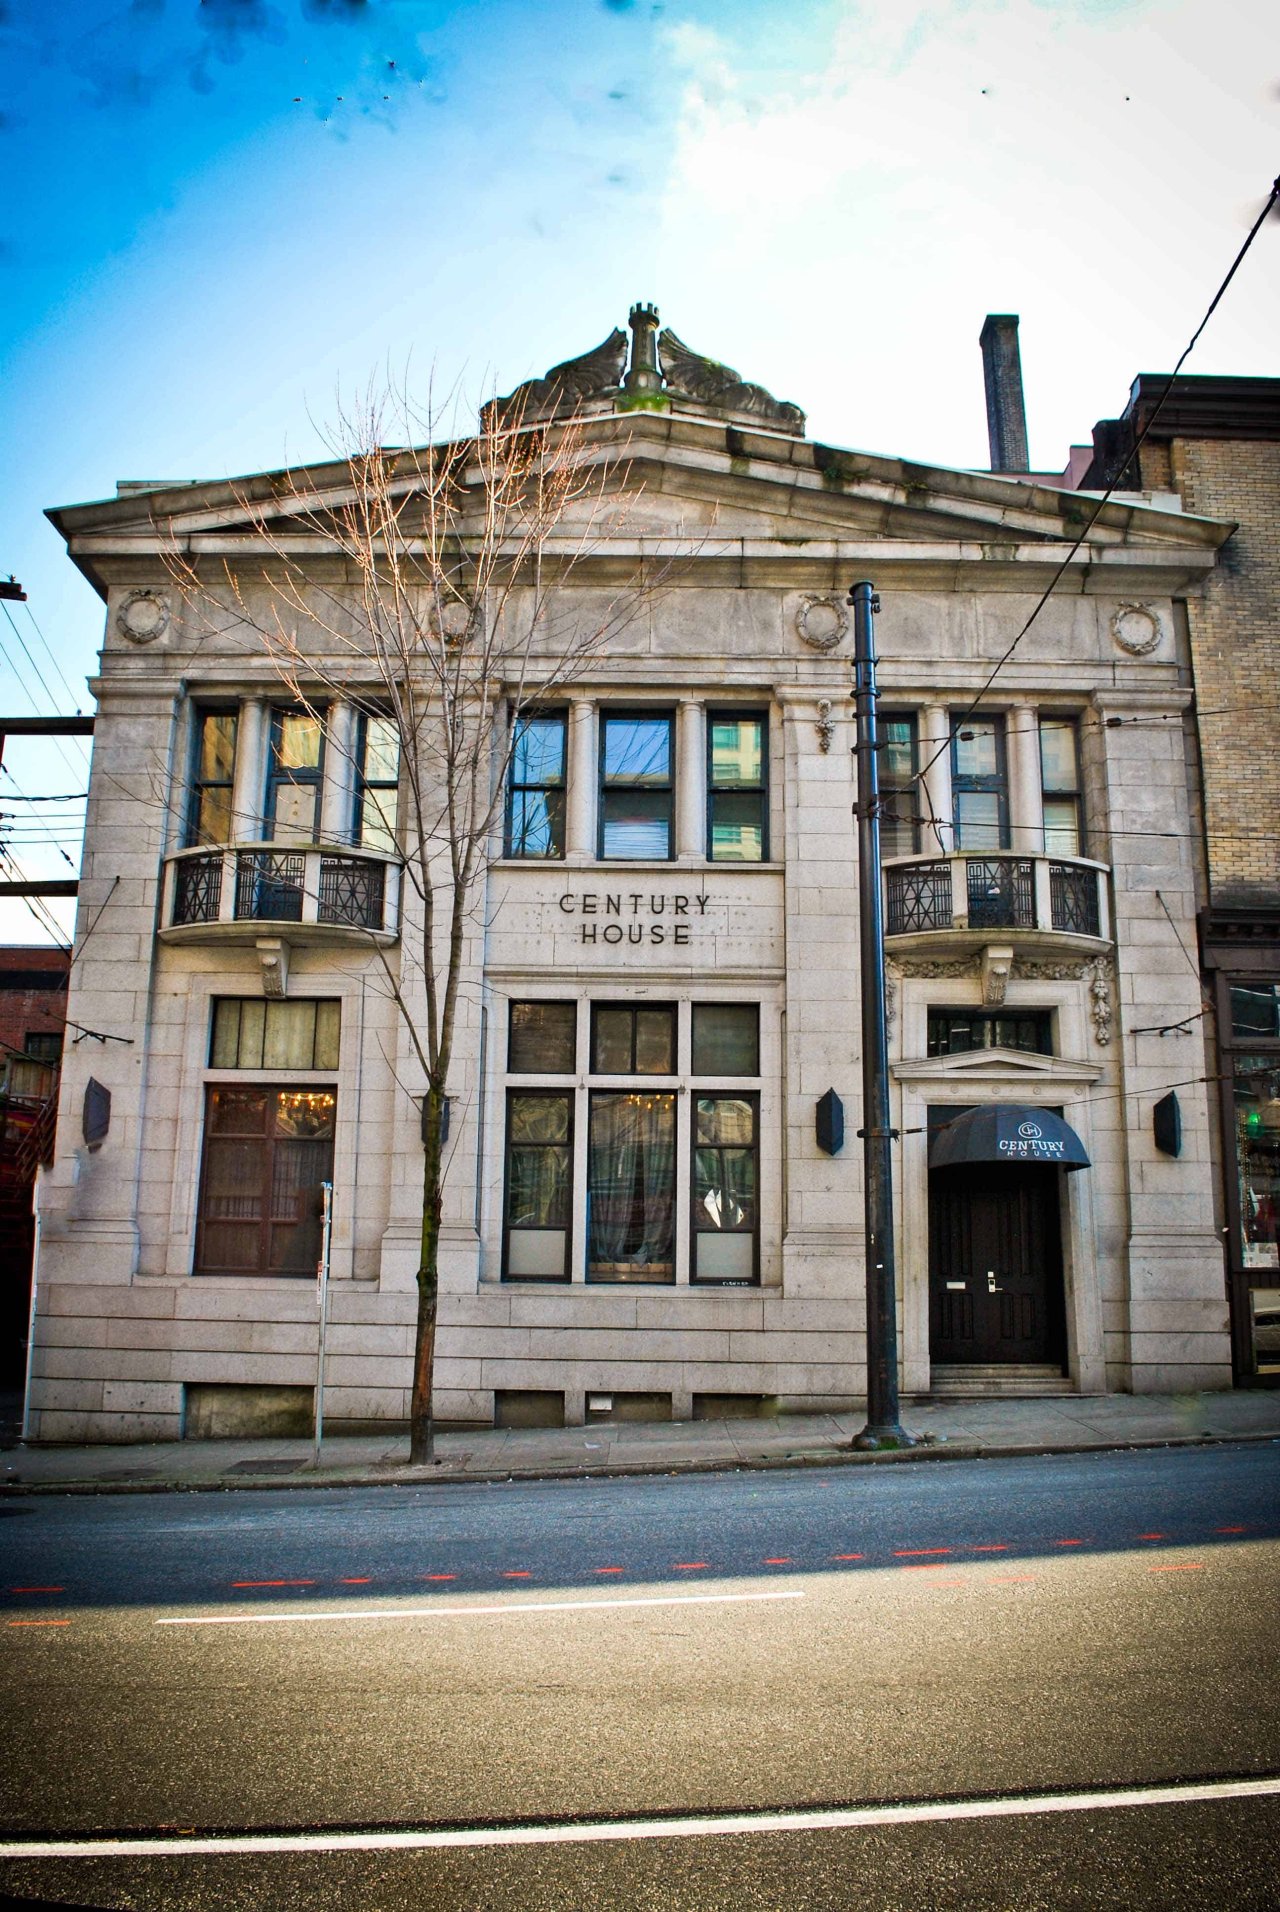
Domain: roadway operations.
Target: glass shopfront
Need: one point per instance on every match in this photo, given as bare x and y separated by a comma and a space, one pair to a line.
1251, 1065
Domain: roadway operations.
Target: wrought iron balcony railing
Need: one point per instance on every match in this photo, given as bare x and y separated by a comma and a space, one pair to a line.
318, 889
995, 891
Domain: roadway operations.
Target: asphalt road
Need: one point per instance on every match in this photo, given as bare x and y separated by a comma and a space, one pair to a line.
525, 1659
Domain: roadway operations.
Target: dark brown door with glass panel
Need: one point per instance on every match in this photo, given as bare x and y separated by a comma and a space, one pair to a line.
266, 1153
995, 1265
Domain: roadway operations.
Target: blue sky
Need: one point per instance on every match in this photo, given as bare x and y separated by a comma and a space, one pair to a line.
220, 214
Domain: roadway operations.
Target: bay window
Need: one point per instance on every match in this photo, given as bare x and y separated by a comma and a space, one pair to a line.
209, 817
979, 783
294, 776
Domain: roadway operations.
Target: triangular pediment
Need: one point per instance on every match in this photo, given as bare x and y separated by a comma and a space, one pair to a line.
699, 488
996, 1065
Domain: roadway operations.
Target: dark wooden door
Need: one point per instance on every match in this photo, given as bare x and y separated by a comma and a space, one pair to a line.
995, 1265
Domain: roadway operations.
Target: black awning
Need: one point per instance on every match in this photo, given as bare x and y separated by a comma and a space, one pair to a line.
1007, 1132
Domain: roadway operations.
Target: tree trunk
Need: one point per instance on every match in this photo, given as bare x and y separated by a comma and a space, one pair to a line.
421, 1432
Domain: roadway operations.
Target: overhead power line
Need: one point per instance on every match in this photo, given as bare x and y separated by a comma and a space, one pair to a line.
1272, 197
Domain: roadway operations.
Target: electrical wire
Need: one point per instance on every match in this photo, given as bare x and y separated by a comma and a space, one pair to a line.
49, 653
1272, 197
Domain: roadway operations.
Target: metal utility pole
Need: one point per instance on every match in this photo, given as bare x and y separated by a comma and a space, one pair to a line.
883, 1428
322, 1299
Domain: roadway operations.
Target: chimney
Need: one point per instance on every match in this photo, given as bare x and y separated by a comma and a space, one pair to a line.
1006, 413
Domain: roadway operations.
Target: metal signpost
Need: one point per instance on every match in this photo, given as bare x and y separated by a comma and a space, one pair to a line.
322, 1297
883, 1428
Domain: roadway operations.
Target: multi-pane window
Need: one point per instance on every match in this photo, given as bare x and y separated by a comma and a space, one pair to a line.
377, 783
725, 1206
212, 776
979, 783
671, 1116
535, 786
33, 1071
899, 790
539, 1185
294, 774
955, 1032
253, 1032
726, 1039
1060, 783
633, 1040
542, 1039
637, 786
267, 1151
737, 791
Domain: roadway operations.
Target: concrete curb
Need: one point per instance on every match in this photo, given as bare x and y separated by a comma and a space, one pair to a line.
405, 1476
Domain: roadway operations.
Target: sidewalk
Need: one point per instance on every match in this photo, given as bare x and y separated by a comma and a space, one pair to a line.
951, 1430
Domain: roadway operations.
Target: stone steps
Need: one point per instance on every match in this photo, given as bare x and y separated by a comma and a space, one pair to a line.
1005, 1380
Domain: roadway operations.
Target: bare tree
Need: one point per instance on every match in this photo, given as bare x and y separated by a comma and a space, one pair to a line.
447, 613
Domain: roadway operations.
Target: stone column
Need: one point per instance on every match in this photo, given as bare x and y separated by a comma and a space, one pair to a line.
580, 844
1026, 804
691, 780
253, 736
337, 798
935, 744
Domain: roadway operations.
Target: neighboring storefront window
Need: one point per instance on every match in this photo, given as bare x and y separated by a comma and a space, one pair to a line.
535, 787
737, 794
539, 1185
637, 786
1257, 1109
631, 1186
725, 1209
267, 1150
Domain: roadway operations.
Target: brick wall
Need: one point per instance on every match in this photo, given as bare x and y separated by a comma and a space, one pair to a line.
1235, 647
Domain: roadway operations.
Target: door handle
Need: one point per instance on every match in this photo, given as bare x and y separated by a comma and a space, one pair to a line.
992, 1287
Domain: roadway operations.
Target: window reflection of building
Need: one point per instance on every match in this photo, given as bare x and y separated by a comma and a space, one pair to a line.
1251, 1054
266, 1152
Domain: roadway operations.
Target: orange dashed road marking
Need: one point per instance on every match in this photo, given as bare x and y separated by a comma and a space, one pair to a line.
39, 1623
608, 1569
848, 1556
779, 1560
909, 1553
1068, 1543
989, 1546
517, 1573
437, 1576
689, 1566
273, 1583
1231, 1530
362, 1581
48, 1589
1153, 1536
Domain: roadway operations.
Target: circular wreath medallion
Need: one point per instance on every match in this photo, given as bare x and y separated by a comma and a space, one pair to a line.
143, 616
821, 622
1135, 629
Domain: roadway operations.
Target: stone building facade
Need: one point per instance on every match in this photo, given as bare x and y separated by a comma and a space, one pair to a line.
663, 979
1215, 444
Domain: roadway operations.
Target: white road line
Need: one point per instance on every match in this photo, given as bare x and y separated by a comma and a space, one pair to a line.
509, 1610
837, 1819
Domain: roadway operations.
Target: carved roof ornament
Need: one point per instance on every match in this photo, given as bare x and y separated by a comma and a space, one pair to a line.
566, 386
690, 375
661, 368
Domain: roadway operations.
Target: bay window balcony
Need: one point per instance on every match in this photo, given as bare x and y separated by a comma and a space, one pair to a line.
958, 900
231, 893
